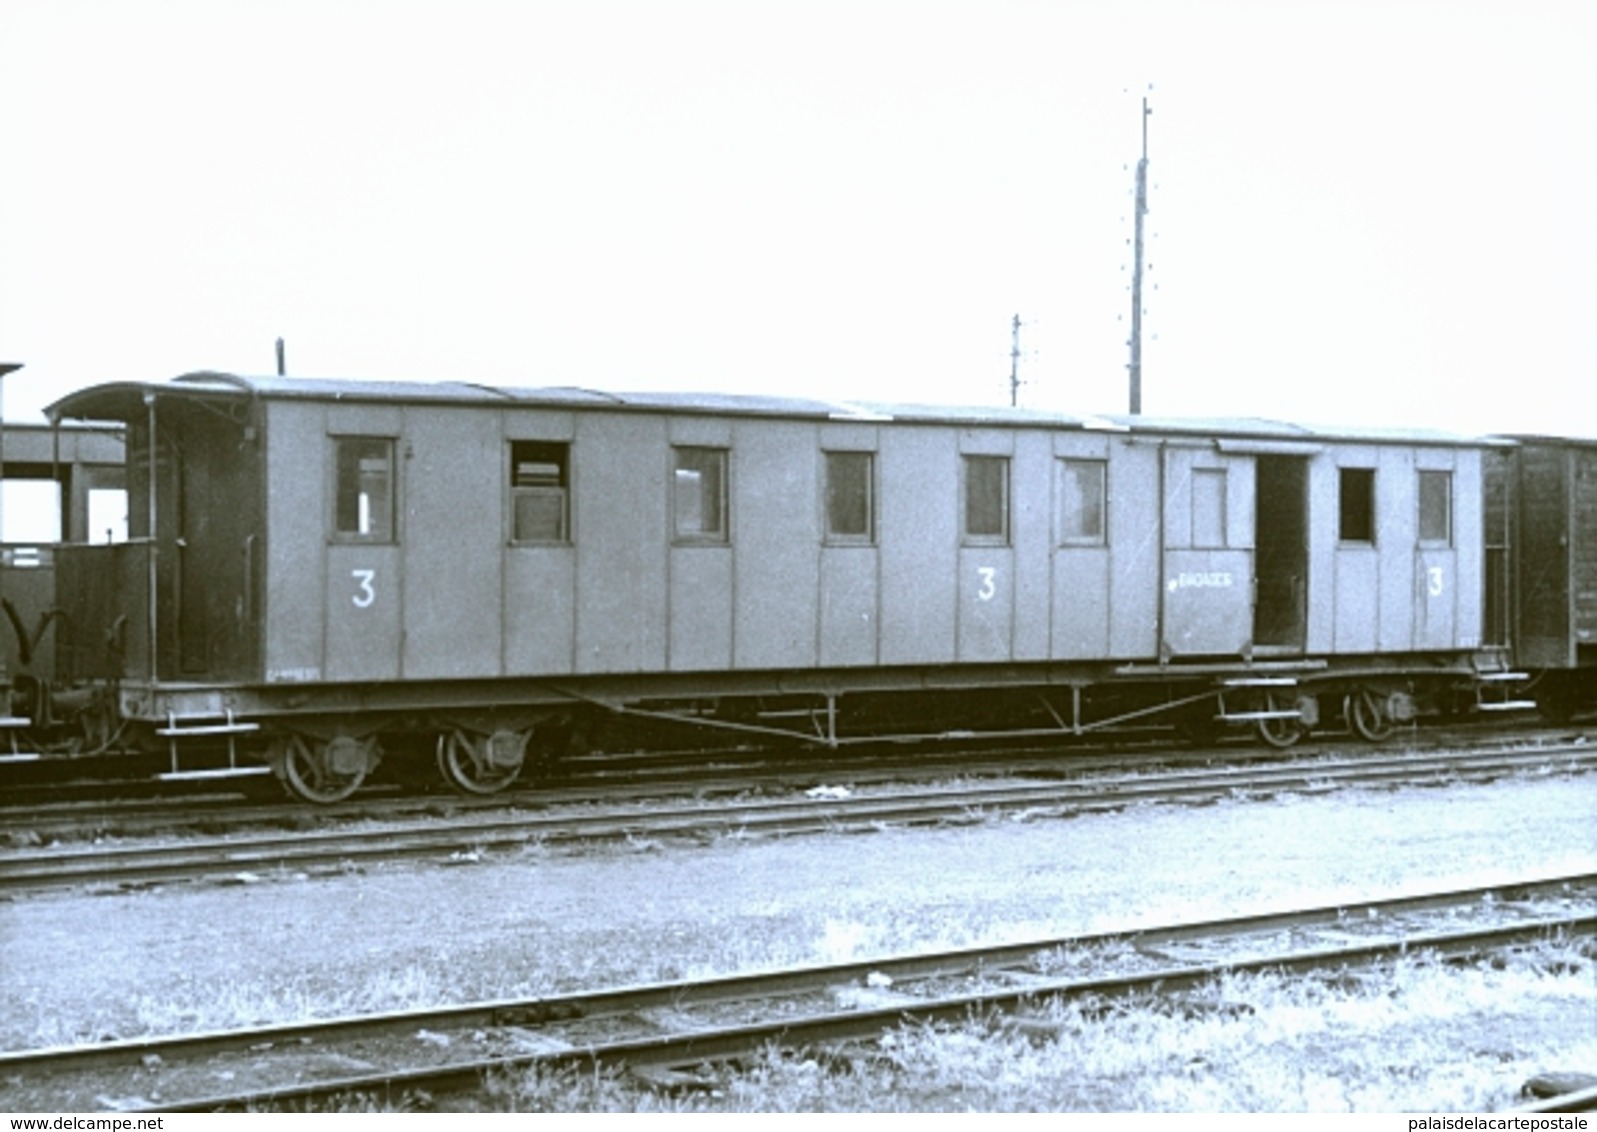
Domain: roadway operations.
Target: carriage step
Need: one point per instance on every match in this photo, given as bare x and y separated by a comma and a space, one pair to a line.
188, 726
1254, 716
17, 723
218, 772
1501, 677
1508, 705
1261, 682
214, 729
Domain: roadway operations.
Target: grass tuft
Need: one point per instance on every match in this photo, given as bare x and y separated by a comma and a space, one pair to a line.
1416, 1035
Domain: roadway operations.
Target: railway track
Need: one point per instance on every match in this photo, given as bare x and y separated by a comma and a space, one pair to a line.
606, 779
675, 1034
471, 836
94, 810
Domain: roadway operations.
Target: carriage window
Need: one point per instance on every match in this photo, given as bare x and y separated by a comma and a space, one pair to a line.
364, 508
538, 490
987, 499
699, 495
31, 510
1357, 505
1083, 502
1208, 507
1436, 508
108, 514
850, 501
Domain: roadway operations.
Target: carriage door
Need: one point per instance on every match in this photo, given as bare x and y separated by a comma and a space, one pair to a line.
1281, 563
1436, 561
1207, 587
212, 501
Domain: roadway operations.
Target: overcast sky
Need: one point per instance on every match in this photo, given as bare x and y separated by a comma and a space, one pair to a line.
1364, 213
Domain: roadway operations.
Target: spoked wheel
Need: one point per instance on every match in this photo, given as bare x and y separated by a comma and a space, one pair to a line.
1367, 716
1281, 733
324, 772
479, 764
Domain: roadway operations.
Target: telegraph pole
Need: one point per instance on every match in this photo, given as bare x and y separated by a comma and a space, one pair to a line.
1014, 362
6, 369
1135, 365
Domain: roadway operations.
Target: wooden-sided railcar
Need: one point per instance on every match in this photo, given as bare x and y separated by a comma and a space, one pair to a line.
81, 472
321, 568
1543, 497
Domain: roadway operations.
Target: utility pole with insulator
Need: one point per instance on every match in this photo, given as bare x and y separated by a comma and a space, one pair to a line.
6, 369
1135, 365
1014, 362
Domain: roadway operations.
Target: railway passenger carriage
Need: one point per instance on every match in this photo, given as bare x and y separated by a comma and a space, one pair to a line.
319, 571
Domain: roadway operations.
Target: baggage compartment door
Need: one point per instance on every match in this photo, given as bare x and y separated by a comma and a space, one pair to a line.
1206, 593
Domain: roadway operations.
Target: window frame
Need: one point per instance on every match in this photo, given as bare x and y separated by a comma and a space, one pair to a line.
830, 533
968, 462
1218, 478
1444, 477
1363, 518
527, 450
1071, 534
341, 498
720, 459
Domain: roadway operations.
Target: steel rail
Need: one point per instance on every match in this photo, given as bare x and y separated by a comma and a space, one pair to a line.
1576, 1100
702, 770
1520, 910
230, 856
723, 1043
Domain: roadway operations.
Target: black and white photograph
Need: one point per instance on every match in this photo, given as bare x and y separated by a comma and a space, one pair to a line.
715, 556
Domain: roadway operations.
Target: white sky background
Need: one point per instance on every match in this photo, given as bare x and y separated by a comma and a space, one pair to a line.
1362, 213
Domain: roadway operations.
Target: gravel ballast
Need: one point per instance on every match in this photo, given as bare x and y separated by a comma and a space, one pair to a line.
80, 966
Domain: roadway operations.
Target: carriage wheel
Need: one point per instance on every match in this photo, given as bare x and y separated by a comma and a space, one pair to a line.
324, 772
1366, 715
479, 764
1280, 733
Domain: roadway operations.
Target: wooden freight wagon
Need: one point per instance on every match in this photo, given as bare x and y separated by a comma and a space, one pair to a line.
1551, 488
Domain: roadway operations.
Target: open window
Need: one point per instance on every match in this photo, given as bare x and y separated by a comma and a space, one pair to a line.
698, 499
540, 491
107, 514
364, 490
1356, 506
